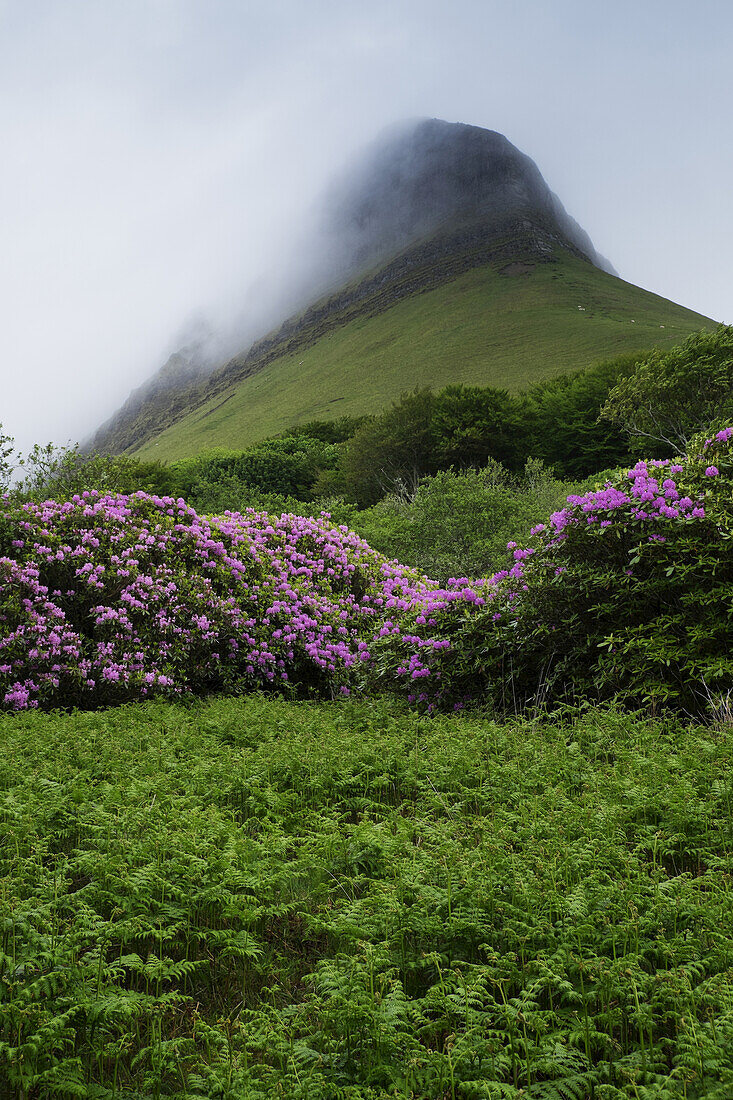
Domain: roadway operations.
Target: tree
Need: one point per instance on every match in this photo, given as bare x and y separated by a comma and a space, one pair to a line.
460, 521
673, 394
474, 424
394, 452
559, 419
7, 460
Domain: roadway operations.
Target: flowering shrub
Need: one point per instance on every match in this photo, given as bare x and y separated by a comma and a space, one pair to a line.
626, 592
110, 598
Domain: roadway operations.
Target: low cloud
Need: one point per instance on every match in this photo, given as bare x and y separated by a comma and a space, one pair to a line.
162, 160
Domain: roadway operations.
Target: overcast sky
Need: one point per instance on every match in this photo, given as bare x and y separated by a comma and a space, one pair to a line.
157, 157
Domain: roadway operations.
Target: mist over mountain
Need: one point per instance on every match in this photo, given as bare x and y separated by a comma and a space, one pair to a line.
426, 201
430, 175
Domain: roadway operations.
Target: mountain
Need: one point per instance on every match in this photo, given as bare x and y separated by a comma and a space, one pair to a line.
464, 182
442, 257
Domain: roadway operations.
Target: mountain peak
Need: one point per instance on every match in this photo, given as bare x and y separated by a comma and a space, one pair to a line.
427, 176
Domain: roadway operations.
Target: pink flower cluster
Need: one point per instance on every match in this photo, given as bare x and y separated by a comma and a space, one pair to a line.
645, 505
651, 494
109, 598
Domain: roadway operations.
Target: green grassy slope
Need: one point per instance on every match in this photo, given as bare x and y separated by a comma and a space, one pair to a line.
482, 328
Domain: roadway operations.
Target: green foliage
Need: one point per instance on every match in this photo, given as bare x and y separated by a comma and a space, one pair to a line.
7, 460
230, 494
464, 426
625, 595
423, 433
285, 469
645, 617
60, 476
558, 420
472, 424
328, 431
393, 452
249, 900
459, 521
673, 394
49, 471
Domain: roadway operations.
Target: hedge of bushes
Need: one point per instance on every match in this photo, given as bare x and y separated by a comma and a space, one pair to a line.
625, 592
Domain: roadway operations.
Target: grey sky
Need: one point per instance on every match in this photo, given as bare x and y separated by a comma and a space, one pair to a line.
159, 156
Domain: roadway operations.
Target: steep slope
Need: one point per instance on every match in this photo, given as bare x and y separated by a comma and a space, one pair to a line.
500, 324
448, 260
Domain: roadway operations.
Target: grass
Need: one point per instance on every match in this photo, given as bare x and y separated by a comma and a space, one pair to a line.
255, 898
482, 328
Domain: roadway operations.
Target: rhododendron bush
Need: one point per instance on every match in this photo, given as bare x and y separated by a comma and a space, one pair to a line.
110, 598
626, 592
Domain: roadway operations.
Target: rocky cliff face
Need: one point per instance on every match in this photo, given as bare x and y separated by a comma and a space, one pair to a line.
432, 176
426, 202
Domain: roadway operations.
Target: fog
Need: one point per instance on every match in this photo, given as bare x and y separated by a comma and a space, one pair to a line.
162, 160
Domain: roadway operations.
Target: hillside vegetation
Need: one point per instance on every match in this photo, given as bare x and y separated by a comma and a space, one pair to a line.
618, 595
257, 899
505, 327
467, 838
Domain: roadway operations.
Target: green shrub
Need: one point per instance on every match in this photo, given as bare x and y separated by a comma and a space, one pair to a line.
51, 472
673, 394
393, 452
328, 431
459, 521
559, 420
228, 480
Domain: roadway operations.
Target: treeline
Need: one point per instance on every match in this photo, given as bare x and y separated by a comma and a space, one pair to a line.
466, 426
364, 459
576, 424
439, 481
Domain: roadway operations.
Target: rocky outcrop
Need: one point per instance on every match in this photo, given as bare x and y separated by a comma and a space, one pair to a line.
430, 174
